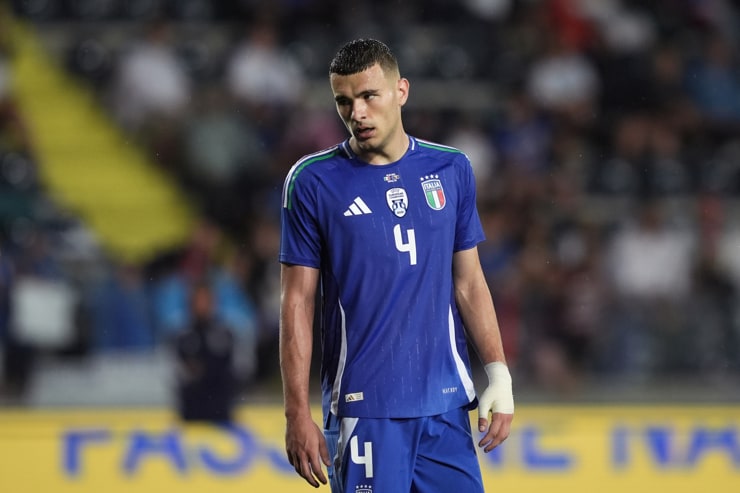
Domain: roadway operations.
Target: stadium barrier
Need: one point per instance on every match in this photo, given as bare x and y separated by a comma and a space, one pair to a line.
551, 448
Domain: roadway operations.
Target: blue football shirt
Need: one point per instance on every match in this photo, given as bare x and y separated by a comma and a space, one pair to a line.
383, 236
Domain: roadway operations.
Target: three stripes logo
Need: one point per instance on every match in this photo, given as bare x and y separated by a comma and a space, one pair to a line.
358, 207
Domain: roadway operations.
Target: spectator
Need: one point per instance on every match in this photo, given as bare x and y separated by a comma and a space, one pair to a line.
570, 347
169, 289
121, 311
651, 259
224, 158
714, 84
149, 82
259, 72
623, 171
650, 264
470, 135
39, 280
207, 262
669, 170
237, 311
220, 147
205, 374
713, 303
564, 82
523, 137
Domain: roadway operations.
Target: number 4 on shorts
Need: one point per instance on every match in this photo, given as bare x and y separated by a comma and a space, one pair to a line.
366, 460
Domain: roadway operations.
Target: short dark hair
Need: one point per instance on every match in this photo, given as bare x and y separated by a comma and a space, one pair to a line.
361, 54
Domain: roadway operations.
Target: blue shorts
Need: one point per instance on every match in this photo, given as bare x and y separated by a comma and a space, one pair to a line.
414, 455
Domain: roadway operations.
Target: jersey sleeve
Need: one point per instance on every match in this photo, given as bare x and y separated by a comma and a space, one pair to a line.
300, 239
468, 231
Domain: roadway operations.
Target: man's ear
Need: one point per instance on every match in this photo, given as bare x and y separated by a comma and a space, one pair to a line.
402, 86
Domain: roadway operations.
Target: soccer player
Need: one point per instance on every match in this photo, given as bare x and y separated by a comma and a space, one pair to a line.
382, 229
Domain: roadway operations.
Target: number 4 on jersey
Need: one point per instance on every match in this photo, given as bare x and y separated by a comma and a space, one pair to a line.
405, 246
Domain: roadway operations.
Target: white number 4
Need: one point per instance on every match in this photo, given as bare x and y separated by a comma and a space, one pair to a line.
366, 460
405, 246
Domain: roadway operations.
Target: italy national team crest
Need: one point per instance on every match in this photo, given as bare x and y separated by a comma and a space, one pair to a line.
433, 191
397, 200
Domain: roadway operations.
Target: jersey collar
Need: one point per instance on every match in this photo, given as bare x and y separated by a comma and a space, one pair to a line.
350, 154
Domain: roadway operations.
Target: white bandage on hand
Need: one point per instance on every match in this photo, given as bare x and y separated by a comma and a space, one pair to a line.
498, 396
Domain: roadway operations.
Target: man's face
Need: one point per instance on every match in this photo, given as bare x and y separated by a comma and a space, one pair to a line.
369, 103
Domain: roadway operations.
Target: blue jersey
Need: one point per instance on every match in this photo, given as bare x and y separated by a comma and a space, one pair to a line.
383, 237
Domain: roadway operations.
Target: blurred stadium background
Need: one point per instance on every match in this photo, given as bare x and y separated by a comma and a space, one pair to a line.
143, 145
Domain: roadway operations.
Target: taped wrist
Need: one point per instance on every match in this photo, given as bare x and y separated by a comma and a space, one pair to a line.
499, 390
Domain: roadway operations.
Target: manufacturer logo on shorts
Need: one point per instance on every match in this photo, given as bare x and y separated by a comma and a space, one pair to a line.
433, 191
357, 396
397, 200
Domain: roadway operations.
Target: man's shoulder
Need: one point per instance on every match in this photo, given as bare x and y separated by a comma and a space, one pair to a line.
435, 154
327, 156
435, 148
316, 162
305, 172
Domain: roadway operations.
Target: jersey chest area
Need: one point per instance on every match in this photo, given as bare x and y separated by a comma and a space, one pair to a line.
387, 213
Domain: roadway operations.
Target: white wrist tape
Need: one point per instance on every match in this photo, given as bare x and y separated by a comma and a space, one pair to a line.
498, 396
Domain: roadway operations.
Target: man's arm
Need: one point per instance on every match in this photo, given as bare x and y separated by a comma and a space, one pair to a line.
479, 316
304, 441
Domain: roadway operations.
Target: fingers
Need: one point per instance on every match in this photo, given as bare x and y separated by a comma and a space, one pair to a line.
498, 431
309, 469
307, 450
314, 472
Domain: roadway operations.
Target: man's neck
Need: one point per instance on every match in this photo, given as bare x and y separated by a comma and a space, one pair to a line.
385, 155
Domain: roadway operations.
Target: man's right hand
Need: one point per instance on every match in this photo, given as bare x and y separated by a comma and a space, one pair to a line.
306, 448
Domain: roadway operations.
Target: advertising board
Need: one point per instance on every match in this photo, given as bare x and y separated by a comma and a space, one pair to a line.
551, 448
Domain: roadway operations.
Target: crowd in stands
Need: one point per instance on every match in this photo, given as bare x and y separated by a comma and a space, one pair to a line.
607, 160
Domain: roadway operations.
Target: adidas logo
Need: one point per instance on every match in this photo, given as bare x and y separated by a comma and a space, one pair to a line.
357, 208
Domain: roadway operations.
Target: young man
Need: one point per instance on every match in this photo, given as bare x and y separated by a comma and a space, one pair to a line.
387, 225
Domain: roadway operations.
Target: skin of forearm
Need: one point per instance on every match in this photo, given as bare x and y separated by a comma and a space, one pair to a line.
479, 317
296, 339
296, 343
